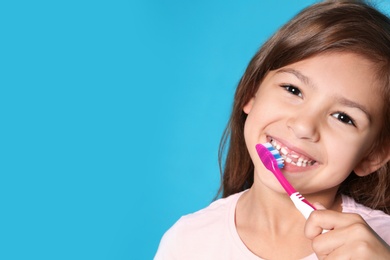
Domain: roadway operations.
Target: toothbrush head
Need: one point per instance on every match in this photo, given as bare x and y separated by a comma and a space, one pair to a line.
272, 160
275, 153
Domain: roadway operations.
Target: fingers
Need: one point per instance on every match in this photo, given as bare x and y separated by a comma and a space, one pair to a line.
345, 239
329, 220
349, 245
349, 237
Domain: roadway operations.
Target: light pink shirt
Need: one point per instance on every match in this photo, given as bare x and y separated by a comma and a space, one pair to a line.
211, 232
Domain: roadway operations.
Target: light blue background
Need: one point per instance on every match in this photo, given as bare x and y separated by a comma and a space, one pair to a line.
111, 116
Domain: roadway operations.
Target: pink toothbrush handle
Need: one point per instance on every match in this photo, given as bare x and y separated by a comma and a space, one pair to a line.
302, 204
283, 181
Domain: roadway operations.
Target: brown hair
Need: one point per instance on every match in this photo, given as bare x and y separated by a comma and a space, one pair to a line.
330, 26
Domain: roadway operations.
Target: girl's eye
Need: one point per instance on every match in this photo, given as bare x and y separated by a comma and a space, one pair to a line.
344, 118
293, 90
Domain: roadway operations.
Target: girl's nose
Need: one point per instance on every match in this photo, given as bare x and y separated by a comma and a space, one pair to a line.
305, 126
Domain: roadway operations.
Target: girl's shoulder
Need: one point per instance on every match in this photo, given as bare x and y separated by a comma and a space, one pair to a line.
378, 220
349, 205
216, 212
191, 236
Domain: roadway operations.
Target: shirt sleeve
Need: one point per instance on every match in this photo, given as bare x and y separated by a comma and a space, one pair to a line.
384, 231
167, 246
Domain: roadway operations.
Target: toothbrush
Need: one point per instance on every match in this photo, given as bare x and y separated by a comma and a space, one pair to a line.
273, 161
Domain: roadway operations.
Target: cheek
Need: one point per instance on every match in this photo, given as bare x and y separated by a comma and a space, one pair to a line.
346, 154
254, 134
251, 133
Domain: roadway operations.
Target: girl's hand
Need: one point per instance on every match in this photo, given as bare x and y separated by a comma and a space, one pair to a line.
349, 236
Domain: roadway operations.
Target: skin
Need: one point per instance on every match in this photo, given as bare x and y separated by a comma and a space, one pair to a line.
328, 108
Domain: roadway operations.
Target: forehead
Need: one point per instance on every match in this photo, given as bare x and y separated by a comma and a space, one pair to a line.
339, 69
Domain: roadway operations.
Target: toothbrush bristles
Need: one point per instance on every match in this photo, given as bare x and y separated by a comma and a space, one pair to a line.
276, 154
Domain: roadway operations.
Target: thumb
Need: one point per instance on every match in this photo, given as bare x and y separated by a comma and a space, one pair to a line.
319, 206
314, 225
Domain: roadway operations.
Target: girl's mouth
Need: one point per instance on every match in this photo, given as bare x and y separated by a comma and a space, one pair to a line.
291, 156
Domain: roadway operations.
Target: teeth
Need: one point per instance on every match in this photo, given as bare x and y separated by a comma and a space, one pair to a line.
293, 158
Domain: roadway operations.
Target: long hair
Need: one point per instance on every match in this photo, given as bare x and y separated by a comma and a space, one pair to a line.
330, 26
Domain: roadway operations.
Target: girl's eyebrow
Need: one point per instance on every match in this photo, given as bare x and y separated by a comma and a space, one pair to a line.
352, 104
341, 100
297, 74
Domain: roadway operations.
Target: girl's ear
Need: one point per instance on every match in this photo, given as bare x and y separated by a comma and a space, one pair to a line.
372, 162
248, 106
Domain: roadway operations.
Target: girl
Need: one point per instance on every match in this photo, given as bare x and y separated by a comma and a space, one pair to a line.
319, 90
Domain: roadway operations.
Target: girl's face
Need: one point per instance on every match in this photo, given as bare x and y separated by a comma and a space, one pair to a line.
324, 113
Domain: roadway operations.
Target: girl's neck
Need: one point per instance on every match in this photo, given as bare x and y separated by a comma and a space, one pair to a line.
261, 211
273, 207
266, 220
